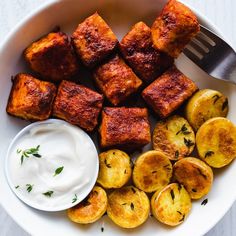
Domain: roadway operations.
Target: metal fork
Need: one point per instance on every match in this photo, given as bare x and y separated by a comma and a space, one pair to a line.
213, 55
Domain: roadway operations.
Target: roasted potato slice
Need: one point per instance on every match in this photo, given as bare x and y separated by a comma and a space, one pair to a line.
168, 92
94, 40
91, 208
30, 98
216, 142
137, 49
124, 128
171, 205
174, 136
195, 175
114, 169
204, 105
152, 171
52, 57
174, 28
128, 207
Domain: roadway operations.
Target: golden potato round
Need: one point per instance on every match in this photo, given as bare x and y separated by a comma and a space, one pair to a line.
171, 205
216, 142
128, 207
174, 136
114, 169
195, 175
204, 105
91, 208
152, 171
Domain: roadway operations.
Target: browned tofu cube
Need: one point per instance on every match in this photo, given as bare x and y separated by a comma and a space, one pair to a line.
116, 80
137, 49
124, 128
94, 40
30, 98
168, 92
78, 105
174, 28
52, 57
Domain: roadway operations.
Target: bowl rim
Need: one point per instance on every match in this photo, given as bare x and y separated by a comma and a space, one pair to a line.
24, 131
201, 17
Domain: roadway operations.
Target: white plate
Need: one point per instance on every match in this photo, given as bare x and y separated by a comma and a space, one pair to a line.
120, 14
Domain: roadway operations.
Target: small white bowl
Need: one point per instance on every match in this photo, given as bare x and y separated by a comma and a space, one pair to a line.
90, 159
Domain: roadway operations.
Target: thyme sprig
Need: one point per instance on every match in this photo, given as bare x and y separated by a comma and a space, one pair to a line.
184, 130
209, 153
188, 142
74, 199
48, 193
29, 187
204, 202
216, 98
31, 152
58, 170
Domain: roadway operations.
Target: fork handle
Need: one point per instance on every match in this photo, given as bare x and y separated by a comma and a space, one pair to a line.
227, 69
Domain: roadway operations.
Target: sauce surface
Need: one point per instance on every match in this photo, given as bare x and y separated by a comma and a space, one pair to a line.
52, 166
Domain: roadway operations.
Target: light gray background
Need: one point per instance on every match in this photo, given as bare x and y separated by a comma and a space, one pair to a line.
220, 12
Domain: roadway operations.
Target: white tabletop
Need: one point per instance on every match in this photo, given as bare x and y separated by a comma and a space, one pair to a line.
220, 12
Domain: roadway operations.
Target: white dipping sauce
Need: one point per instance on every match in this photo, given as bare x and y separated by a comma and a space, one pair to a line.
65, 166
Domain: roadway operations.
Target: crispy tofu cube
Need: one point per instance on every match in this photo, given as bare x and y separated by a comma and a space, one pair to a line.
168, 92
52, 57
174, 28
94, 40
124, 128
78, 105
30, 98
116, 80
137, 49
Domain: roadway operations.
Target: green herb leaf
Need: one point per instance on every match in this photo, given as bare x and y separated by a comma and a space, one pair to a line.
172, 194
133, 190
58, 170
28, 153
188, 142
21, 159
132, 206
74, 199
209, 153
37, 155
18, 151
184, 130
216, 98
48, 193
16, 187
176, 154
179, 187
107, 164
182, 219
29, 187
225, 104
204, 202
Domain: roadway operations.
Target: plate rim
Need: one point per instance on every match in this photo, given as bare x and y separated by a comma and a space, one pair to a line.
18, 27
